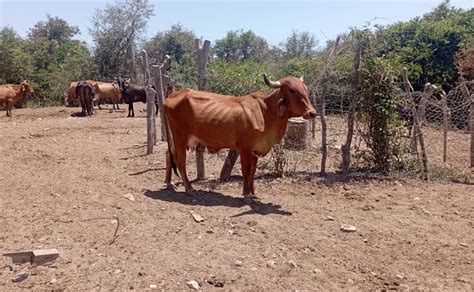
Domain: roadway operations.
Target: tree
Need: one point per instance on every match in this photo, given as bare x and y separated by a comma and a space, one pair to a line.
15, 64
56, 58
116, 31
239, 46
465, 63
428, 45
232, 78
54, 28
300, 45
178, 43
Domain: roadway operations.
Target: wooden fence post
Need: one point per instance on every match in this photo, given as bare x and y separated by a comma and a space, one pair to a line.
202, 55
322, 111
346, 148
467, 95
161, 82
471, 129
150, 105
444, 102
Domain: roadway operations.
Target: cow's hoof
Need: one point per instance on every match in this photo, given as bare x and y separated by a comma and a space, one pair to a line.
252, 199
192, 192
170, 187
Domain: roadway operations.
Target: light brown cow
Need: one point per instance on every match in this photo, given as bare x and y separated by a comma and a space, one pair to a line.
71, 93
105, 90
11, 93
252, 124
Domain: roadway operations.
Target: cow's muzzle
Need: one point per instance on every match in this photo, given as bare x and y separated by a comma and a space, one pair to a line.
309, 115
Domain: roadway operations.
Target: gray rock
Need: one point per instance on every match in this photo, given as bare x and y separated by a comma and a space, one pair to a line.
238, 263
20, 277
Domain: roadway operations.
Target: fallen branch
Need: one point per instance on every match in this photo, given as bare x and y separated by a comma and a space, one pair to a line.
116, 229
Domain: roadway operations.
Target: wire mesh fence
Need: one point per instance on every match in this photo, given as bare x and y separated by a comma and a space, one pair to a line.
445, 125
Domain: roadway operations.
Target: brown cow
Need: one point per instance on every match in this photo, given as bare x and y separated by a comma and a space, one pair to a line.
105, 90
11, 93
252, 124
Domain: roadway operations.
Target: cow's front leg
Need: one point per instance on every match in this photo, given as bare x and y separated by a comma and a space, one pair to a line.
249, 167
245, 161
253, 169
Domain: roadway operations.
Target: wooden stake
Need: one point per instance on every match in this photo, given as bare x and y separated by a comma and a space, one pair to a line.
150, 105
445, 124
202, 56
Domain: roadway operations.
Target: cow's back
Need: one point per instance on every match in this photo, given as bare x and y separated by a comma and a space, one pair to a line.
106, 90
7, 91
217, 121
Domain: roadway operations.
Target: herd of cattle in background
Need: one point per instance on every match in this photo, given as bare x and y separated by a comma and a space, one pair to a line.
89, 91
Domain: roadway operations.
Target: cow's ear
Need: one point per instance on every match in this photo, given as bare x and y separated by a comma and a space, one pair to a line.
282, 106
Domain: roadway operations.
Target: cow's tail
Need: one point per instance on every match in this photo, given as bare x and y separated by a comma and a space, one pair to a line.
170, 151
169, 142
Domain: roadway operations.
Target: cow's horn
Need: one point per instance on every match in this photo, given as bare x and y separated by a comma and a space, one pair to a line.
272, 84
302, 78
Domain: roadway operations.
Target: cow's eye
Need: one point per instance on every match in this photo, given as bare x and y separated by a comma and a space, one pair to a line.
292, 91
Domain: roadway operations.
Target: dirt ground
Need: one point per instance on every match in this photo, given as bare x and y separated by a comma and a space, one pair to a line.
63, 184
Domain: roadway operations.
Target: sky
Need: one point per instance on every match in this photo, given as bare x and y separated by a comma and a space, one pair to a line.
212, 19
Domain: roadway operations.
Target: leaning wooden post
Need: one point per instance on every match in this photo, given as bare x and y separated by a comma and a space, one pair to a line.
161, 80
346, 148
228, 164
202, 55
416, 123
445, 124
150, 105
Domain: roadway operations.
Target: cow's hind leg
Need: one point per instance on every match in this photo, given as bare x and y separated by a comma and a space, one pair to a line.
169, 184
180, 159
130, 110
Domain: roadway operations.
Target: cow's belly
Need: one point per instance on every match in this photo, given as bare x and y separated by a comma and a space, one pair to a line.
212, 145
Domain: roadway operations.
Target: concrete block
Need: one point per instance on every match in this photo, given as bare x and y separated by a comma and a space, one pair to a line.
42, 256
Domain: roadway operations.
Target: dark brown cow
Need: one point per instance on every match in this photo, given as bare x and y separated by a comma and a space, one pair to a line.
252, 124
11, 93
85, 91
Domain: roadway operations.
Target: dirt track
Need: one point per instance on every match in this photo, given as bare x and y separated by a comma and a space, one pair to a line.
63, 181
